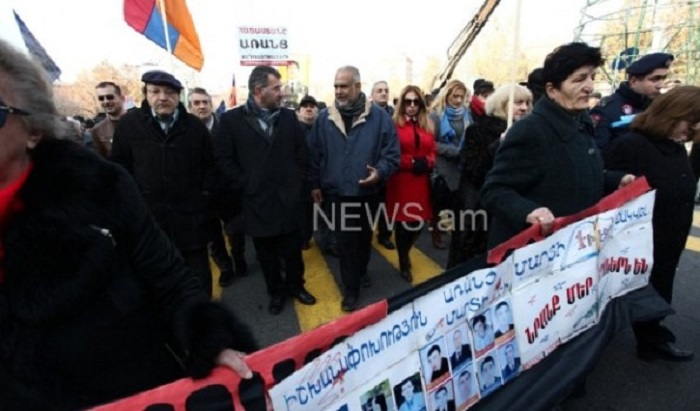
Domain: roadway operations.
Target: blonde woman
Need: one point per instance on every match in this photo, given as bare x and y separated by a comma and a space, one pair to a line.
481, 140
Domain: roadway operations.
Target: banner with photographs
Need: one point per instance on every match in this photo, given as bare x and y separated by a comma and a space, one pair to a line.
461, 342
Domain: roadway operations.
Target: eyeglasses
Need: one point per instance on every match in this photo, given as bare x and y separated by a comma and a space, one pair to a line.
412, 102
108, 97
5, 110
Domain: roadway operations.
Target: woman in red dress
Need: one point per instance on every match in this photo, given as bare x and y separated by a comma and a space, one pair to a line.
408, 190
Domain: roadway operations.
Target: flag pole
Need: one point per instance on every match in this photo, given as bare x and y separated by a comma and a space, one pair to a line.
514, 61
168, 46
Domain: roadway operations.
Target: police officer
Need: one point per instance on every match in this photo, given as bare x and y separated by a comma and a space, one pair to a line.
645, 79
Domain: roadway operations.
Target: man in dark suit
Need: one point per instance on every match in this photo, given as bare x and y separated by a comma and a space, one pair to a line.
262, 152
512, 362
504, 320
443, 401
438, 363
488, 379
462, 351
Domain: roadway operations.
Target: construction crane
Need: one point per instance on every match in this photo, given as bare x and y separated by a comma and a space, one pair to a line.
463, 41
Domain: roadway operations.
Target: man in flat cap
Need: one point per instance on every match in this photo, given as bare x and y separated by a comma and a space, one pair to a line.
169, 153
645, 79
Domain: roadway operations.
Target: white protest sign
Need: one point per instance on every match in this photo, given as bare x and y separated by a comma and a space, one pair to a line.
263, 46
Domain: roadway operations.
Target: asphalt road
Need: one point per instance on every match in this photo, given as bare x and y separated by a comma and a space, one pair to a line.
620, 382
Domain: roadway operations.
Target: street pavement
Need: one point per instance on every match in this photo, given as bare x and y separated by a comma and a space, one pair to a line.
620, 381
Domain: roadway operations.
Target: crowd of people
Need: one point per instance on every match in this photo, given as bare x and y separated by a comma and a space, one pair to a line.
108, 247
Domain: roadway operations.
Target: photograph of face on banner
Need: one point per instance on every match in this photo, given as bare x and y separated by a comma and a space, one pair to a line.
409, 394
442, 399
434, 362
489, 373
504, 328
482, 333
379, 398
464, 381
509, 359
458, 342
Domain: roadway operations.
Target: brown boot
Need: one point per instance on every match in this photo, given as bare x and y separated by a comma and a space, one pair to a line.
437, 236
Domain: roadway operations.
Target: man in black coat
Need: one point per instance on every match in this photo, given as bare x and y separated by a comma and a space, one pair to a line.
263, 154
227, 207
645, 79
168, 151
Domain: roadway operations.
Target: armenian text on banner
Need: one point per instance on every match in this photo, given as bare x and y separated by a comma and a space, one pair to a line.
263, 46
459, 342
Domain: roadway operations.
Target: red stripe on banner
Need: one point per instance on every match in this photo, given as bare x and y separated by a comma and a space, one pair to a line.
633, 190
221, 387
137, 13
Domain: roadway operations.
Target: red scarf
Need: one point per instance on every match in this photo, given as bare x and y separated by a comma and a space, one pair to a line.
9, 205
478, 106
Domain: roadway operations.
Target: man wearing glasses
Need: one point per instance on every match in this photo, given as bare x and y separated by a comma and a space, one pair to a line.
112, 102
645, 79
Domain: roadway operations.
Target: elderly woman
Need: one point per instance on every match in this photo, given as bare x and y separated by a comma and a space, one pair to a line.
95, 302
655, 149
450, 118
548, 165
478, 150
408, 190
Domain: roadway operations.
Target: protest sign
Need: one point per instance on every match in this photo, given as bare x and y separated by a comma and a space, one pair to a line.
263, 46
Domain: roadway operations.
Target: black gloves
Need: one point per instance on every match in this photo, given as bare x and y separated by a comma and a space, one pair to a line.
420, 166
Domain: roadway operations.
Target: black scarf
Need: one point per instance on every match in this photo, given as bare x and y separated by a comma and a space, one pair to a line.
353, 110
269, 117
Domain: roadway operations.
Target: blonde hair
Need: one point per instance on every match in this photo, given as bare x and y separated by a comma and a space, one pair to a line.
497, 103
441, 100
400, 112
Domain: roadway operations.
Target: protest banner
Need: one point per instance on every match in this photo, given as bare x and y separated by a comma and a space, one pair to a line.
458, 343
263, 46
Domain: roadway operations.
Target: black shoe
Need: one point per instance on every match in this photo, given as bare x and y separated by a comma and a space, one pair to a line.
241, 267
665, 334
276, 305
304, 297
406, 275
350, 303
664, 351
365, 282
226, 278
386, 243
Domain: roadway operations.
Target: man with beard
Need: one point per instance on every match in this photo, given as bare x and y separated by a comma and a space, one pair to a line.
110, 97
354, 149
263, 154
168, 151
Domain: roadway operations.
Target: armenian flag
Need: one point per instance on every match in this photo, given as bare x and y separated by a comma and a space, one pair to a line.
146, 17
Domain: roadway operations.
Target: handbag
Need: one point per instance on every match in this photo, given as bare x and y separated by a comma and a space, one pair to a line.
439, 193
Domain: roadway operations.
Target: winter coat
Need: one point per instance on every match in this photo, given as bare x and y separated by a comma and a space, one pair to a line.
408, 194
547, 159
97, 303
175, 172
267, 172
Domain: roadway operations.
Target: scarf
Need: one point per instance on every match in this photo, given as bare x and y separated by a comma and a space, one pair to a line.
447, 133
478, 106
353, 110
268, 117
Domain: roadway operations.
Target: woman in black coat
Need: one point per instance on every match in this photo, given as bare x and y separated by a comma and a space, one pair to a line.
655, 148
95, 302
481, 140
548, 164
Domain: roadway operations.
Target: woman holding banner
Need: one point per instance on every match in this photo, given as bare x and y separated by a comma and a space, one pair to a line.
95, 302
655, 149
548, 165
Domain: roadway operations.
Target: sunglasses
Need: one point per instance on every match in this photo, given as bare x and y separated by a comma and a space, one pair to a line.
5, 110
412, 102
108, 97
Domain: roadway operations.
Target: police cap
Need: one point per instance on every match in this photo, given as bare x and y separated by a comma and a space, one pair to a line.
649, 63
